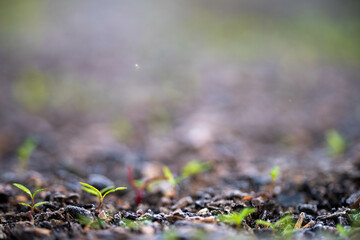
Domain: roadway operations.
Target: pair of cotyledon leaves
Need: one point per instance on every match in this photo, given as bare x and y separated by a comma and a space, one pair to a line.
100, 194
32, 195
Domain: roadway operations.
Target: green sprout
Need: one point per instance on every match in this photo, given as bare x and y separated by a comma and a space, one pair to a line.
190, 169
100, 194
344, 232
135, 225
92, 224
24, 152
336, 144
140, 186
32, 195
238, 217
285, 224
273, 174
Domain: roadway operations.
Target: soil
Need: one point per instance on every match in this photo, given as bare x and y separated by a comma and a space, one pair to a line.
241, 142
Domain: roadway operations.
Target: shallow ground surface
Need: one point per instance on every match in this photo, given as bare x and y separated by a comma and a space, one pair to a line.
239, 86
241, 148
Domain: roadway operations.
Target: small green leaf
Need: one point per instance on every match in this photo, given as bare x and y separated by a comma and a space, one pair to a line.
237, 218
25, 204
84, 220
283, 220
139, 183
37, 191
22, 187
26, 149
106, 189
245, 212
169, 176
195, 167
94, 192
265, 223
274, 172
39, 203
114, 190
336, 144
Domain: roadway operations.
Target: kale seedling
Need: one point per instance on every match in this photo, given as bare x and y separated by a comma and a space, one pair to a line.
190, 169
336, 144
140, 186
24, 152
100, 194
32, 195
273, 174
237, 218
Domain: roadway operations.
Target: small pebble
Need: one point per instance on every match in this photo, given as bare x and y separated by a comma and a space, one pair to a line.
183, 202
203, 211
307, 208
75, 212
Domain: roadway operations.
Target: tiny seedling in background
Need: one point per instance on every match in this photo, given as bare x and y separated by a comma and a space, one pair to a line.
190, 169
140, 186
24, 152
32, 206
336, 144
100, 194
273, 174
284, 224
237, 218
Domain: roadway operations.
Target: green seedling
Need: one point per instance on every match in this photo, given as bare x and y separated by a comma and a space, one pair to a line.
355, 219
344, 232
135, 225
336, 144
284, 224
24, 152
350, 231
273, 174
96, 224
238, 217
190, 169
100, 194
32, 206
140, 186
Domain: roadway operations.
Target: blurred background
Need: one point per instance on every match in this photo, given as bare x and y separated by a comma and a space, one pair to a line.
168, 81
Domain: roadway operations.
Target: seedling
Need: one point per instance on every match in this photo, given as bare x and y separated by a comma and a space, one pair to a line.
135, 225
32, 195
100, 194
98, 223
273, 174
24, 152
283, 224
190, 169
238, 217
336, 144
344, 232
140, 186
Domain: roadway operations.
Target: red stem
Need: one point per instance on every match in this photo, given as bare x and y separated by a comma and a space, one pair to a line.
32, 209
140, 192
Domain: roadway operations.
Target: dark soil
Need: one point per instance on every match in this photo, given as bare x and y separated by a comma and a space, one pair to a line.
324, 192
